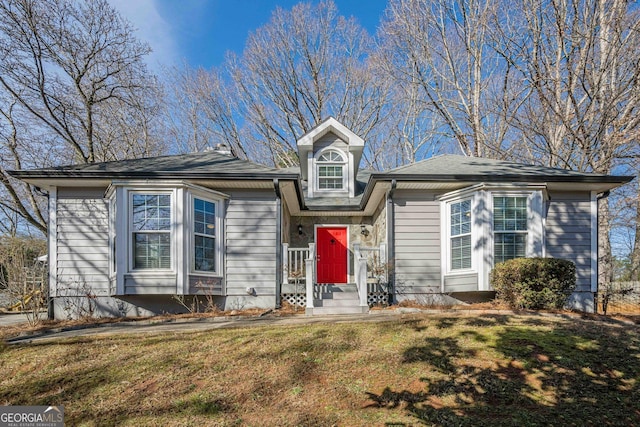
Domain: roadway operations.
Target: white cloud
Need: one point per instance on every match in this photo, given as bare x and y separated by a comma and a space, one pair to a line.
152, 28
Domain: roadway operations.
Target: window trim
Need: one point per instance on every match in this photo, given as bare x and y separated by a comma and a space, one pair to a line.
189, 222
535, 221
450, 237
343, 164
113, 234
131, 232
527, 232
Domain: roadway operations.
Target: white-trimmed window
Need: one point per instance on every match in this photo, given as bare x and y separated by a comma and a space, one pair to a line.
460, 235
151, 231
204, 232
331, 167
510, 227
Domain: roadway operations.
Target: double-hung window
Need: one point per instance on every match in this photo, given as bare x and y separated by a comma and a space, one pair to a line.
204, 235
331, 171
510, 228
151, 231
460, 235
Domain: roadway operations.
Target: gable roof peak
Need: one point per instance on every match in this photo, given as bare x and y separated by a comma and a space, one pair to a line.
330, 124
355, 144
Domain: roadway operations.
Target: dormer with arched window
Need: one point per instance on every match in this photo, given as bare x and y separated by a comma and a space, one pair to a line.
329, 157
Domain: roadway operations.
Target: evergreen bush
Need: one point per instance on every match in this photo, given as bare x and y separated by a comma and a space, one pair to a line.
534, 283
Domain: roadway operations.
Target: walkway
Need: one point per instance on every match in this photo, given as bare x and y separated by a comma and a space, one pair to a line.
155, 326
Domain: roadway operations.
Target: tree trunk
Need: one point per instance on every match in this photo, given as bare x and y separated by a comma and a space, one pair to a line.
635, 253
605, 260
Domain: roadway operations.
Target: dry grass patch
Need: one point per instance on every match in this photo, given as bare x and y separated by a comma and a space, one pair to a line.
448, 369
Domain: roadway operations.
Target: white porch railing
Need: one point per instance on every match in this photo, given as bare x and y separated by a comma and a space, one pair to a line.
376, 262
370, 265
294, 268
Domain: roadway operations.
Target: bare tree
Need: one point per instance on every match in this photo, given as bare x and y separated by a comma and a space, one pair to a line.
443, 48
580, 59
20, 147
201, 111
635, 253
73, 89
303, 66
625, 234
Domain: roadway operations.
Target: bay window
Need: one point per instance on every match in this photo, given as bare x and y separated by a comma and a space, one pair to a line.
486, 224
165, 238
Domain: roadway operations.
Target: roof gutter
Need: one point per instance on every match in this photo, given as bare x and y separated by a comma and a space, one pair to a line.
368, 190
613, 179
26, 174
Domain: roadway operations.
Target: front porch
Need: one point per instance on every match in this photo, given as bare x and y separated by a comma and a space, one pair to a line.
369, 287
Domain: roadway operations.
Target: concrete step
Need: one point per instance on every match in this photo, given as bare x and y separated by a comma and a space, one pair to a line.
336, 302
337, 299
346, 292
347, 287
319, 311
339, 295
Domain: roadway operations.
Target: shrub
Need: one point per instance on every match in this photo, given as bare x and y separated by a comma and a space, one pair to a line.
534, 283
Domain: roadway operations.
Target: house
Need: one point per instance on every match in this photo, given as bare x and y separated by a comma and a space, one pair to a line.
128, 236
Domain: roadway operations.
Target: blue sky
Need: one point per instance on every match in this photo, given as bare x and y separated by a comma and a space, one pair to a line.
201, 31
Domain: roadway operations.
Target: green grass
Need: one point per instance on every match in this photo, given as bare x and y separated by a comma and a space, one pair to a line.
448, 369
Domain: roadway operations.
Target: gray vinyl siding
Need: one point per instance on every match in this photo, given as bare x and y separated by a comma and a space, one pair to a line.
203, 285
160, 284
330, 140
417, 242
250, 244
82, 241
568, 232
461, 283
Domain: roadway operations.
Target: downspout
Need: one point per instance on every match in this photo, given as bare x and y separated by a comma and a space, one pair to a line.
276, 186
391, 246
597, 266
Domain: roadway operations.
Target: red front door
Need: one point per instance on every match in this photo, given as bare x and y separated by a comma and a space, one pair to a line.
331, 244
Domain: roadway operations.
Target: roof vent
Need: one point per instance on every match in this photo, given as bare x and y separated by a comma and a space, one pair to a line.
222, 148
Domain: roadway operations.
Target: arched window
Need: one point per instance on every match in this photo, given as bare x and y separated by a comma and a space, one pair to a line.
331, 166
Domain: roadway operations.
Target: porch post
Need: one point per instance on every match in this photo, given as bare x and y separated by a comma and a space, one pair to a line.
309, 284
361, 281
285, 263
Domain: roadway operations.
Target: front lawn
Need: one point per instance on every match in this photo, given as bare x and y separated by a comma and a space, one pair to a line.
446, 369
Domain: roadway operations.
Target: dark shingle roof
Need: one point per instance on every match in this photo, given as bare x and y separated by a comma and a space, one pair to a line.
450, 167
342, 203
207, 164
